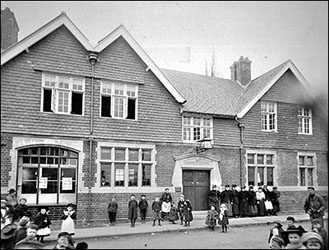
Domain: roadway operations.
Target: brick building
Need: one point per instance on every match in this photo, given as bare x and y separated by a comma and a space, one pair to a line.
82, 124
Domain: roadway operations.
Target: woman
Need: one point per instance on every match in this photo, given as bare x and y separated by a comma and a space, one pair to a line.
260, 198
253, 211
132, 210
166, 200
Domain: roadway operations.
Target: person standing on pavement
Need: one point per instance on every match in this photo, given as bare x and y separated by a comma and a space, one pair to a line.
235, 198
173, 214
156, 208
274, 197
21, 210
180, 207
315, 205
166, 200
223, 217
132, 210
187, 213
43, 222
143, 205
12, 198
253, 210
211, 218
268, 211
244, 206
225, 197
68, 217
276, 230
260, 197
214, 197
112, 211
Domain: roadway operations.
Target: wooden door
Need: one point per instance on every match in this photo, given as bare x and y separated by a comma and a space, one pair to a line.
196, 185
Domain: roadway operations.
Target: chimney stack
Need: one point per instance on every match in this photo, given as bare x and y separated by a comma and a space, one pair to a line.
9, 28
241, 71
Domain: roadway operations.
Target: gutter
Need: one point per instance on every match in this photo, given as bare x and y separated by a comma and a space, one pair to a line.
241, 127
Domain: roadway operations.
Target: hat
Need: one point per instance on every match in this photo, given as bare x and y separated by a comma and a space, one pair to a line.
298, 230
291, 218
23, 221
275, 188
214, 186
63, 234
251, 187
316, 221
70, 205
3, 202
143, 195
278, 240
33, 226
311, 235
278, 222
181, 195
308, 188
43, 207
22, 199
8, 231
234, 185
11, 190
166, 189
227, 185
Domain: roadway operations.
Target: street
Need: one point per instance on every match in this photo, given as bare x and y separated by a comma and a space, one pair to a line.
247, 237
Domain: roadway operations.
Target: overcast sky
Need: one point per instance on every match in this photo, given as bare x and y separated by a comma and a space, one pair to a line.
182, 35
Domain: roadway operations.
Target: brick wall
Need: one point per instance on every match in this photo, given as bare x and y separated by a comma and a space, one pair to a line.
6, 145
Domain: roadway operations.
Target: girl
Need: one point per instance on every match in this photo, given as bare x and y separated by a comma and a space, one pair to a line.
294, 236
132, 210
211, 218
187, 213
21, 210
312, 240
173, 213
43, 222
180, 207
223, 217
276, 230
253, 211
68, 217
112, 210
156, 208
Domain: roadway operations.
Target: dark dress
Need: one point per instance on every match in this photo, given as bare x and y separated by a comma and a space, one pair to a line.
173, 214
132, 210
223, 220
236, 203
167, 199
214, 198
253, 210
180, 207
244, 206
43, 222
226, 197
187, 211
143, 205
156, 208
21, 210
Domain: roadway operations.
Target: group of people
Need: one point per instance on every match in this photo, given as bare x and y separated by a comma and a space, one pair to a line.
296, 237
21, 230
243, 202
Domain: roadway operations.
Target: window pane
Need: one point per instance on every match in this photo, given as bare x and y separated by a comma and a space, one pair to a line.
146, 154
50, 173
206, 122
30, 174
131, 109
196, 121
76, 103
120, 154
269, 159
119, 174
29, 187
118, 107
131, 91
260, 176
251, 176
206, 133
264, 122
187, 134
133, 175
146, 175
270, 176
51, 188
260, 159
105, 174
251, 158
106, 88
309, 160
118, 88
186, 120
106, 106
301, 160
310, 176
47, 100
133, 154
106, 153
196, 134
302, 176
68, 172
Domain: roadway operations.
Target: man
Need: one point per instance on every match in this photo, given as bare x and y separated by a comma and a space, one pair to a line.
315, 205
166, 200
214, 197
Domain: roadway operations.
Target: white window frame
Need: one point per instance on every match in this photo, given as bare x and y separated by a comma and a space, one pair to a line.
126, 93
267, 113
126, 163
255, 165
303, 118
306, 167
55, 89
190, 127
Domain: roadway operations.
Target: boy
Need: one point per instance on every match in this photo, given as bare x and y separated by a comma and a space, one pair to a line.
156, 207
143, 205
112, 210
132, 210
317, 228
31, 233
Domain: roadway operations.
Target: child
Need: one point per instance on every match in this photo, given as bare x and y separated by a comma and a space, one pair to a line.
143, 205
223, 217
180, 208
294, 236
276, 230
43, 222
211, 218
64, 241
312, 240
31, 233
173, 213
112, 210
21, 210
277, 242
68, 217
187, 212
156, 208
22, 227
132, 210
317, 228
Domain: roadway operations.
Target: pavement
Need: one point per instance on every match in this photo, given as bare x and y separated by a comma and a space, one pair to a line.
198, 223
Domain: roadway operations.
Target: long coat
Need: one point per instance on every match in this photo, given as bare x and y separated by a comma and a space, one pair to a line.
253, 210
244, 208
223, 220
132, 209
214, 198
235, 195
187, 211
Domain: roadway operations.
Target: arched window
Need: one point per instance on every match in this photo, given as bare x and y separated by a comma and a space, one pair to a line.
47, 174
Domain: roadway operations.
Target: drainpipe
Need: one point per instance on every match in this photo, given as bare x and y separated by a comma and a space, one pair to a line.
241, 127
92, 59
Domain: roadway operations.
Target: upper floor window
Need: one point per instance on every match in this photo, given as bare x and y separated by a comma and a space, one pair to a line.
260, 169
304, 121
196, 128
306, 169
62, 94
269, 116
119, 100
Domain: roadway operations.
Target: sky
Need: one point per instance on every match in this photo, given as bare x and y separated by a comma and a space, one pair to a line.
184, 35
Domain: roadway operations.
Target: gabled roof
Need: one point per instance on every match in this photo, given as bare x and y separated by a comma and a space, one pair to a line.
225, 97
63, 19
